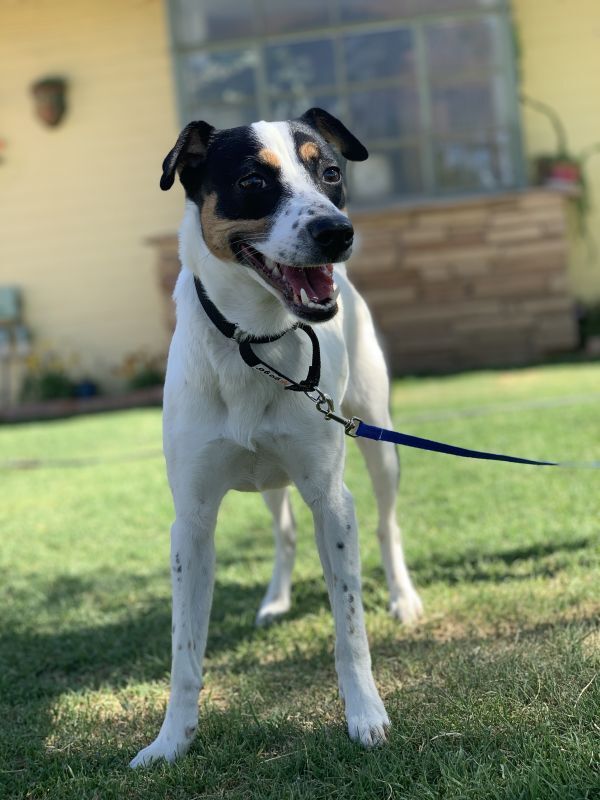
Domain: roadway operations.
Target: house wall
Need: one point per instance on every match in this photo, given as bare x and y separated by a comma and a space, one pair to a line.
78, 202
560, 64
471, 283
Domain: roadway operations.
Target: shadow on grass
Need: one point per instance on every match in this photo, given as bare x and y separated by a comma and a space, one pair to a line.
435, 730
137, 646
543, 559
36, 667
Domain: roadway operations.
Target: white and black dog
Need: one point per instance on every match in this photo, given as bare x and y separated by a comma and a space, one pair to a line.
264, 231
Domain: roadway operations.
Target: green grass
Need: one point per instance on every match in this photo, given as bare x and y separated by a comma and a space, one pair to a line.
495, 695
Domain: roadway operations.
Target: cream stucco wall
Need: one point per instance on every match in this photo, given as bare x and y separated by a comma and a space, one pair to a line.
560, 65
78, 201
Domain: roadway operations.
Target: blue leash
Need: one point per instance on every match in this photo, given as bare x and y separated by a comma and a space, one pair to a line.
354, 427
383, 435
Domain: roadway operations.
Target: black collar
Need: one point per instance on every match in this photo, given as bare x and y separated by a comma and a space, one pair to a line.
244, 340
230, 329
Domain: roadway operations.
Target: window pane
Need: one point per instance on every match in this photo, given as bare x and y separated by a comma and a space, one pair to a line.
384, 113
365, 74
212, 20
300, 66
474, 106
386, 174
474, 165
455, 46
285, 16
356, 10
227, 76
292, 107
379, 55
223, 116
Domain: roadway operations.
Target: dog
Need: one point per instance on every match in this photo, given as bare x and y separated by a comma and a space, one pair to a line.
262, 245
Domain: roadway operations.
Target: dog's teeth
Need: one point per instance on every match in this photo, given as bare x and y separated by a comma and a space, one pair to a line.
272, 267
336, 293
304, 297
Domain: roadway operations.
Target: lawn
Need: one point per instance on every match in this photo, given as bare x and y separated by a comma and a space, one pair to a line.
494, 695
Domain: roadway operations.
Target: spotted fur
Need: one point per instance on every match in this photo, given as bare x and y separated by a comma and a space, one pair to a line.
228, 427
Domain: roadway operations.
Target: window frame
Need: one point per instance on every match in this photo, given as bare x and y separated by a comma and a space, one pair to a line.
425, 137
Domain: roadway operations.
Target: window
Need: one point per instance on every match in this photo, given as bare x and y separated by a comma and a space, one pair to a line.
427, 85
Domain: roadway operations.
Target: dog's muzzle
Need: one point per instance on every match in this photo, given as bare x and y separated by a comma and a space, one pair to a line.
308, 291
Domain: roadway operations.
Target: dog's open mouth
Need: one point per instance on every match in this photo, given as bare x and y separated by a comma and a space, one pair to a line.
309, 292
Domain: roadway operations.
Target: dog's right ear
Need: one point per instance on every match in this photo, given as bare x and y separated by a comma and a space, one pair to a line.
336, 133
190, 147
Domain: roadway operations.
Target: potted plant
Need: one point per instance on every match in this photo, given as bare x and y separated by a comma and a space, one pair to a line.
142, 370
46, 378
563, 168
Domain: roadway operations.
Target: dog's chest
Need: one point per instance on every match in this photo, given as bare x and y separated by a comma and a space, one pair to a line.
257, 470
253, 407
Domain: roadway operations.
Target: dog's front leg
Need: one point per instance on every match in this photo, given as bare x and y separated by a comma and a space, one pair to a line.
192, 574
337, 539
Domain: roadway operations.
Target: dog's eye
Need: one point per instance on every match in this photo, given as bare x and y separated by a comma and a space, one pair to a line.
332, 175
252, 182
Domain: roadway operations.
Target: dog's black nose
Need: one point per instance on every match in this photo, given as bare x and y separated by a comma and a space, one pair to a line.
334, 235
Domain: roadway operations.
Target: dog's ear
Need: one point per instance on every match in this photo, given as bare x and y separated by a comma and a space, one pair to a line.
190, 147
337, 134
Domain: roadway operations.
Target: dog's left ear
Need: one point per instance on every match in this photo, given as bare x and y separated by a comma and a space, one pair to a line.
337, 134
191, 146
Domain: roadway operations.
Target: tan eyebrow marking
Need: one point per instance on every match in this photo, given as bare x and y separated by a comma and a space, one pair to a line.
269, 157
308, 151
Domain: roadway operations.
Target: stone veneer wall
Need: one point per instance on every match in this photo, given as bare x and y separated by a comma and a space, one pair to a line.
460, 284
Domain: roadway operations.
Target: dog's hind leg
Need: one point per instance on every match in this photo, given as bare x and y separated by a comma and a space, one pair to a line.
384, 469
277, 598
367, 397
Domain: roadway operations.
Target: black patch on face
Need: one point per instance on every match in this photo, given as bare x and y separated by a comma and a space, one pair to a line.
233, 154
304, 134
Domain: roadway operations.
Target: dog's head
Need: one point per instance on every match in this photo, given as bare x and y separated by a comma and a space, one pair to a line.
271, 197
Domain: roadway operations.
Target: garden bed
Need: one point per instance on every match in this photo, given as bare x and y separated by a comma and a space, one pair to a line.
73, 406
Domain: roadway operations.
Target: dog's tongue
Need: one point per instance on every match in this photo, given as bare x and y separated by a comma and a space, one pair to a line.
317, 282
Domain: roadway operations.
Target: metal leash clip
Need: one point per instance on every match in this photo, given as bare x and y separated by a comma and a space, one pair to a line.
325, 405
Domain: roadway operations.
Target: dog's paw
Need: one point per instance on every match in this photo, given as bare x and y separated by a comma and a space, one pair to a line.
370, 727
407, 608
161, 749
271, 610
